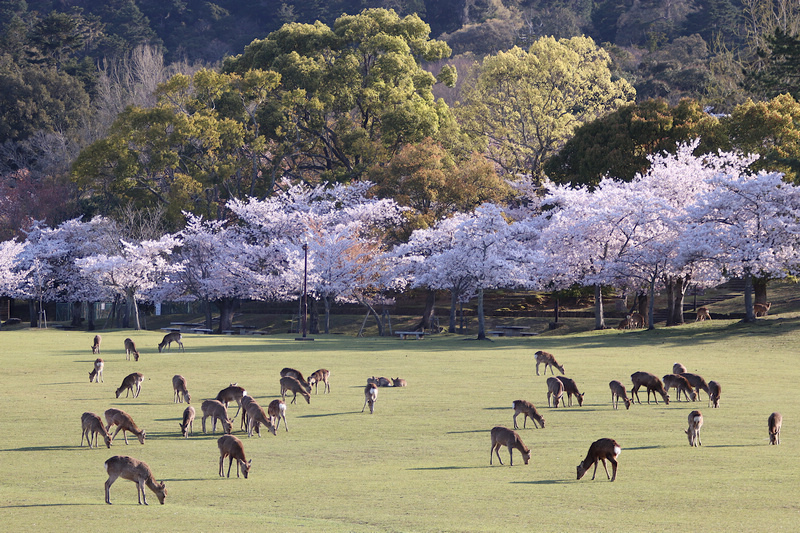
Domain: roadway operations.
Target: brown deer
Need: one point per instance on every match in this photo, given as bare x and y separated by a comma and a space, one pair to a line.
232, 448
600, 450
697, 382
296, 374
246, 400
217, 411
373, 380
257, 416
625, 323
714, 392
132, 384
555, 389
678, 368
370, 397
399, 382
774, 422
321, 375
91, 425
695, 423
571, 388
529, 411
125, 423
636, 320
290, 384
179, 388
168, 339
188, 421
548, 360
651, 383
97, 372
702, 314
502, 436
232, 393
761, 309
681, 384
96, 345
130, 349
618, 391
136, 471
277, 412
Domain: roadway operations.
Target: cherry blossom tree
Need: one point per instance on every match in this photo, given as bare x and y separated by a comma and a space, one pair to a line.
11, 275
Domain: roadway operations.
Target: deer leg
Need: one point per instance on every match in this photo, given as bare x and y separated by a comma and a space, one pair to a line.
221, 460
140, 492
497, 452
230, 463
111, 479
595, 469
613, 467
605, 467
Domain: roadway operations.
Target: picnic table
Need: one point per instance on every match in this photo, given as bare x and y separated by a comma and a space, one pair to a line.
512, 331
405, 334
202, 330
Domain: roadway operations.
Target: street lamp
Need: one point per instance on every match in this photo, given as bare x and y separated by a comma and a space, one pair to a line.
305, 295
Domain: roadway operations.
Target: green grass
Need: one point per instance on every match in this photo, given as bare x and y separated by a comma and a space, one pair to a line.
421, 462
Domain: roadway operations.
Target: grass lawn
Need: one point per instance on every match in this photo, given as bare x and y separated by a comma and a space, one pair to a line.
421, 462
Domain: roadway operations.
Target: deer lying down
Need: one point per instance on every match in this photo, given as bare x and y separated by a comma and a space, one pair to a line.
774, 422
232, 448
695, 423
502, 436
97, 371
618, 391
547, 359
529, 410
136, 471
91, 425
600, 450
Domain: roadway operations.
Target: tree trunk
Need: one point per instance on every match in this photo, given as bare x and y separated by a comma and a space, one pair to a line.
760, 289
207, 313
651, 305
77, 314
313, 325
374, 313
451, 328
599, 320
669, 283
427, 316
750, 315
227, 308
90, 315
681, 284
326, 301
34, 316
132, 309
481, 318
555, 310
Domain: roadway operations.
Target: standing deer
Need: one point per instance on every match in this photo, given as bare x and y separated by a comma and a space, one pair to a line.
245, 420
132, 384
232, 393
600, 450
571, 388
370, 397
697, 382
96, 345
136, 471
695, 423
702, 314
97, 371
257, 416
217, 411
548, 360
678, 368
502, 436
188, 421
179, 387
125, 423
555, 389
399, 382
681, 384
168, 339
296, 374
651, 383
528, 410
91, 425
618, 391
130, 349
321, 375
636, 320
625, 323
714, 392
290, 384
277, 411
761, 309
774, 422
232, 448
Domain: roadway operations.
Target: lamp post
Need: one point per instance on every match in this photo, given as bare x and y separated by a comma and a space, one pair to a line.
305, 294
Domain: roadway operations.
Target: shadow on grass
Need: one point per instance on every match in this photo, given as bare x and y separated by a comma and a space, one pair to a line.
44, 448
32, 505
468, 431
545, 482
449, 468
329, 414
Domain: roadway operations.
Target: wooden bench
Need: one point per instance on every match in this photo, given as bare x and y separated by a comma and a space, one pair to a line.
498, 333
202, 330
405, 334
228, 331
170, 330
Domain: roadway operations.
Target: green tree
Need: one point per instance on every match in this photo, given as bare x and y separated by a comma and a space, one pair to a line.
781, 72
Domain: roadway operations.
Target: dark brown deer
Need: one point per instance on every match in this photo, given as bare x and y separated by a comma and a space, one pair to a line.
774, 422
697, 382
179, 388
548, 360
651, 383
600, 450
296, 374
136, 471
96, 345
681, 384
370, 397
290, 384
678, 368
188, 421
130, 349
131, 384
217, 411
502, 436
529, 411
618, 391
97, 372
555, 389
168, 339
321, 375
256, 416
233, 449
571, 388
695, 423
761, 309
124, 422
714, 392
232, 393
92, 425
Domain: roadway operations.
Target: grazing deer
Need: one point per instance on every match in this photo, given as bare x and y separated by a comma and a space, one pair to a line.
131, 382
246, 400
681, 384
714, 392
555, 389
321, 375
179, 387
168, 339
678, 368
136, 471
571, 388
130, 349
761, 309
651, 383
232, 393
399, 382
370, 397
257, 416
600, 450
702, 314
774, 422
625, 323
296, 374
618, 391
548, 360
124, 422
502, 436
217, 411
290, 384
697, 382
232, 448
636, 320
97, 371
277, 412
188, 421
695, 423
96, 345
528, 410
91, 425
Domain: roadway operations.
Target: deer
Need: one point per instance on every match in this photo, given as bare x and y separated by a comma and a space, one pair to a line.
571, 388
296, 374
96, 345
555, 389
695, 423
91, 425
370, 397
548, 360
697, 382
232, 393
651, 383
130, 349
125, 423
246, 400
600, 450
761, 309
618, 391
774, 422
277, 411
373, 380
678, 368
502, 436
169, 338
290, 384
714, 391
188, 421
257, 416
232, 448
217, 411
529, 411
681, 384
625, 323
399, 382
636, 320
321, 375
702, 314
179, 388
129, 383
97, 372
136, 471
